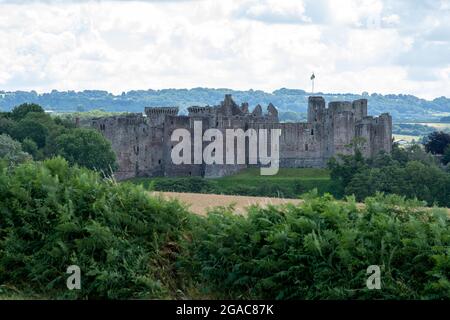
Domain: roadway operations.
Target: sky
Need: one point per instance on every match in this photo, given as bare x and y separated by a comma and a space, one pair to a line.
383, 46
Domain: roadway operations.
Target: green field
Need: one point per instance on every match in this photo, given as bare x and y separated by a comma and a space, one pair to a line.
288, 183
283, 174
436, 125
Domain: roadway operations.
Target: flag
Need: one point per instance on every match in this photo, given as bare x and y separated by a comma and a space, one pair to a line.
313, 77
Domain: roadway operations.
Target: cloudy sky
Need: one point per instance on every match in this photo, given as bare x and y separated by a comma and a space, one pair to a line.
386, 46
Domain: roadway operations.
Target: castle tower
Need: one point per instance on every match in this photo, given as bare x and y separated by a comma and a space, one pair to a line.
272, 113
360, 108
157, 115
228, 107
316, 109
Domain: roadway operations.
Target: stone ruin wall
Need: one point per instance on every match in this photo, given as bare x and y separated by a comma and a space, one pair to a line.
143, 146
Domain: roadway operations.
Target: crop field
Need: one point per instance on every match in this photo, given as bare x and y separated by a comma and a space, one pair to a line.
407, 138
202, 203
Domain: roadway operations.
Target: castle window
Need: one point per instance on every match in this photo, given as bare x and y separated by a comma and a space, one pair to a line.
306, 147
312, 132
159, 161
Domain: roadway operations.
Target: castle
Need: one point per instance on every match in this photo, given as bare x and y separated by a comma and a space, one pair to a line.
142, 142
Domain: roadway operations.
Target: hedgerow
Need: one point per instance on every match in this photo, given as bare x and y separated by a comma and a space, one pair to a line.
129, 244
53, 216
322, 249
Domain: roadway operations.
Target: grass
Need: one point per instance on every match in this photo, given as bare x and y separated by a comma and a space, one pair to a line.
283, 174
436, 125
288, 183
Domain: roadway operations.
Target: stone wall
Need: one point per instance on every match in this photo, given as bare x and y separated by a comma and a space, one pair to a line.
142, 142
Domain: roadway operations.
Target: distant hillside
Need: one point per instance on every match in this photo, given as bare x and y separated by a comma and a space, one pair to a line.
292, 103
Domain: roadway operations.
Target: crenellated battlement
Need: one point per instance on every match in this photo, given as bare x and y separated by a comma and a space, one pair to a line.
143, 143
158, 111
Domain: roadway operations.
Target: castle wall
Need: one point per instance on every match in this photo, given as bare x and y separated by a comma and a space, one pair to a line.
137, 145
143, 143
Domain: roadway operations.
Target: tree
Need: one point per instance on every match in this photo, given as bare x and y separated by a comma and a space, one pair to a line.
345, 167
29, 146
11, 150
437, 142
6, 125
446, 157
87, 148
34, 130
21, 111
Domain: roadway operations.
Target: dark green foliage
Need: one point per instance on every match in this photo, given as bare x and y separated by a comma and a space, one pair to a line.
11, 151
31, 129
44, 137
243, 187
88, 148
29, 146
21, 111
6, 125
343, 169
415, 180
53, 216
437, 142
194, 185
322, 249
407, 172
446, 157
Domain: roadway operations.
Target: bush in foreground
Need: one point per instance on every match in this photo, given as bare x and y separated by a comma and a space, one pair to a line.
53, 216
322, 249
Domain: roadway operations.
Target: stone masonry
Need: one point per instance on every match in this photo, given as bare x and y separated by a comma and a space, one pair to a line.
142, 142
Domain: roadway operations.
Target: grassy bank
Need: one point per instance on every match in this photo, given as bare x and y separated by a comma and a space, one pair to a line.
288, 183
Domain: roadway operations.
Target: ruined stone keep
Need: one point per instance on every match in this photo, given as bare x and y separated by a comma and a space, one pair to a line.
142, 142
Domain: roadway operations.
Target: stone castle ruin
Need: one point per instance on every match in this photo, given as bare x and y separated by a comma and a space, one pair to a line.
142, 142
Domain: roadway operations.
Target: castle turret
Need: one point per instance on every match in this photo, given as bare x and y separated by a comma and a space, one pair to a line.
228, 107
257, 112
360, 108
272, 113
200, 111
316, 109
157, 115
244, 108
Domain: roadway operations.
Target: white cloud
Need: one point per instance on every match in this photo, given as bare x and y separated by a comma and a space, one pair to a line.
125, 45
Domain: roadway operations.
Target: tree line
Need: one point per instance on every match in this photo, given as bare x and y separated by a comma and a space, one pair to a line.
27, 132
414, 172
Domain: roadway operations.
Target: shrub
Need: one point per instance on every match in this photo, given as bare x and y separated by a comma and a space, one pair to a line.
87, 148
22, 110
322, 249
53, 216
11, 150
188, 185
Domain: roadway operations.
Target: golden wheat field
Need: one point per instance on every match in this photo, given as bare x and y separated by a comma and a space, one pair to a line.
201, 203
